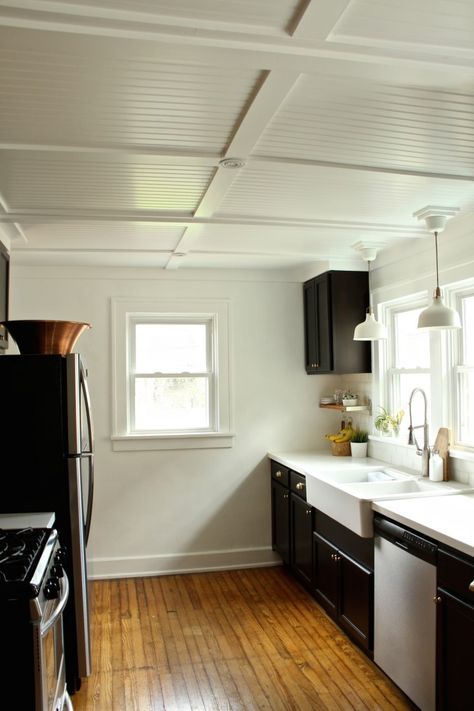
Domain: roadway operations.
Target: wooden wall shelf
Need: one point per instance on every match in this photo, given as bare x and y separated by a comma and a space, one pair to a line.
351, 408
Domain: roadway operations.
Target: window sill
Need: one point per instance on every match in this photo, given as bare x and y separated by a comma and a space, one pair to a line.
145, 443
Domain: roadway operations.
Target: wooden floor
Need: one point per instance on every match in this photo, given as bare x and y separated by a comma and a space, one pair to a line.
246, 639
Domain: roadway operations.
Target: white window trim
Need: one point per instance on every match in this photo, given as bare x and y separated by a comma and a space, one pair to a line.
216, 309
452, 297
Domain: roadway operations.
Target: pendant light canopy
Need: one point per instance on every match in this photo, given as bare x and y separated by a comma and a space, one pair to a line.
370, 329
437, 317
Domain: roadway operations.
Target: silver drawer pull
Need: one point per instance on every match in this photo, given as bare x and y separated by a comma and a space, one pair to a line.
471, 586
300, 486
278, 474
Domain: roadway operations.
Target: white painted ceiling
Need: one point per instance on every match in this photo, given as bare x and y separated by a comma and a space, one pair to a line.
114, 116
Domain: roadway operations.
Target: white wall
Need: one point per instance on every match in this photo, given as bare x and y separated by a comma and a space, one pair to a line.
197, 509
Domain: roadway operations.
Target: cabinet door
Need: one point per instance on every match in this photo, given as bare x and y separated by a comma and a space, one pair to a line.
311, 348
318, 335
281, 521
455, 635
300, 538
356, 584
325, 573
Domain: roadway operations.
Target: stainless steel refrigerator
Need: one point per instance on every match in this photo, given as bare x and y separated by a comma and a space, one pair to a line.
47, 464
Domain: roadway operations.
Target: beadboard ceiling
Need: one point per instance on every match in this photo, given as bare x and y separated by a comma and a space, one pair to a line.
346, 115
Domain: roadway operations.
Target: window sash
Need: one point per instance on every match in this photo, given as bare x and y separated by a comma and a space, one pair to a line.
210, 375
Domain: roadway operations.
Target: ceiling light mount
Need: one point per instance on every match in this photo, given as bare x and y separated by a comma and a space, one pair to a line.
232, 163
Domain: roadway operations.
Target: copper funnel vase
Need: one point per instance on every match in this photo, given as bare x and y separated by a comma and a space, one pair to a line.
45, 337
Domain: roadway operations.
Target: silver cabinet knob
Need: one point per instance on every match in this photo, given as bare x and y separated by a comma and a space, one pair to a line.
437, 599
308, 512
278, 474
471, 586
300, 486
285, 496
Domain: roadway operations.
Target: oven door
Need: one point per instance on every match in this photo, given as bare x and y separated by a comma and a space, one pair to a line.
50, 677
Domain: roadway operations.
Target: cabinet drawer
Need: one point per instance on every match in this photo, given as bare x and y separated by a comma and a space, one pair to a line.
456, 574
280, 473
298, 484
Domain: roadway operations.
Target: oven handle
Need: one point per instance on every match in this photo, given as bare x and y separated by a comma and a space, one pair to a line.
57, 612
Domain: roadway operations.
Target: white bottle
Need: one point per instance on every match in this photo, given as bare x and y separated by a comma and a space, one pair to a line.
436, 466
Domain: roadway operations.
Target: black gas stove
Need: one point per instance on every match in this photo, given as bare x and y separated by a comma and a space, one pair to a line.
33, 594
24, 558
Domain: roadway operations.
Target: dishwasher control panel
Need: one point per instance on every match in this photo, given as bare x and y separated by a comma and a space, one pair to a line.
420, 543
406, 539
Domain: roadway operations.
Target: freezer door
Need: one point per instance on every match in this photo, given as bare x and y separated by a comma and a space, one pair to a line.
79, 567
81, 433
79, 416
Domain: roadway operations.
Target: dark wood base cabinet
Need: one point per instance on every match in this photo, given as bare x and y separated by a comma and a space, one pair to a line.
280, 511
455, 632
333, 563
344, 588
300, 539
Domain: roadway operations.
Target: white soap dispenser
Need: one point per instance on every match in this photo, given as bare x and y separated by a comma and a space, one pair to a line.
436, 466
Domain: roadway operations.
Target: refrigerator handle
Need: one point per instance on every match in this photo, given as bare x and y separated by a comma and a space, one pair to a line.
87, 523
90, 497
87, 402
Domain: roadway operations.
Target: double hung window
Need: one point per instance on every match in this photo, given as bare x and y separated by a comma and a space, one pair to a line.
171, 374
439, 362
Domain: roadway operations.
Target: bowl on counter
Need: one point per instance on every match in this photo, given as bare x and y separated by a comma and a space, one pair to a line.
349, 402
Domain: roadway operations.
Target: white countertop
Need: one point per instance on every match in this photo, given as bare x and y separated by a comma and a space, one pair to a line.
27, 520
448, 519
314, 463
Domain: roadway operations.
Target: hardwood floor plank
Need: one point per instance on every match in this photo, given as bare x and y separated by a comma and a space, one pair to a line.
244, 640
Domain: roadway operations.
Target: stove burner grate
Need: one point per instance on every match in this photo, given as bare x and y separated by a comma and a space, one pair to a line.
18, 552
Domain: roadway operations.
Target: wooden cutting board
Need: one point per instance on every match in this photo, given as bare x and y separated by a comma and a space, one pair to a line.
441, 443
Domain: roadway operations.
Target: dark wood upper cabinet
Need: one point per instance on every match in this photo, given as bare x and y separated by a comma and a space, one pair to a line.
334, 303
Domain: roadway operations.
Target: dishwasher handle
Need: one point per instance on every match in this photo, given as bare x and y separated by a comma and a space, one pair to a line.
405, 538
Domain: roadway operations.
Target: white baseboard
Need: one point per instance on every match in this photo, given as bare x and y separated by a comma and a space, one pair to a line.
174, 563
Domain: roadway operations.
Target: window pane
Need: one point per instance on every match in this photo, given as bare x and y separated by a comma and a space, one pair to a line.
171, 403
407, 383
170, 348
466, 409
468, 330
412, 347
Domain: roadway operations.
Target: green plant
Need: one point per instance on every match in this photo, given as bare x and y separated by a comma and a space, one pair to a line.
360, 436
388, 423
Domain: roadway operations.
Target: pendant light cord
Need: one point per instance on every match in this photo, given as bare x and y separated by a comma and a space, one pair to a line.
436, 253
370, 309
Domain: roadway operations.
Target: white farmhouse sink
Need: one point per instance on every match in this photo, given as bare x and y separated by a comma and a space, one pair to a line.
347, 496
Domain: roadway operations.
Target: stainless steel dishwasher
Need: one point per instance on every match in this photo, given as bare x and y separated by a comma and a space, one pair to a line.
405, 613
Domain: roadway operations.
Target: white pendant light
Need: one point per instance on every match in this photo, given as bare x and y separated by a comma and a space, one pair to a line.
370, 329
438, 316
